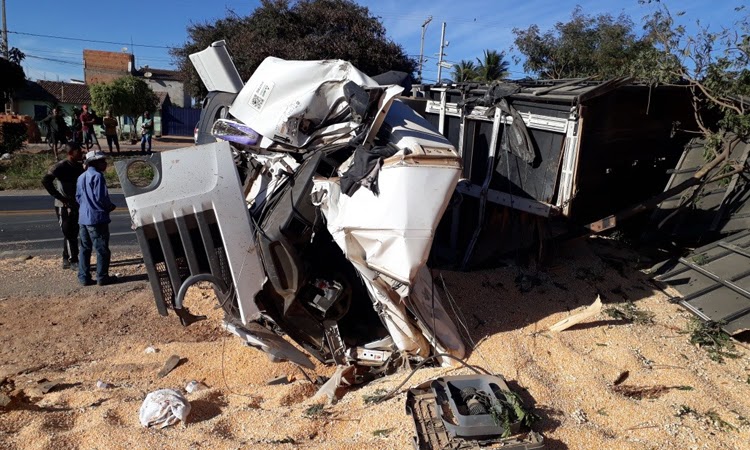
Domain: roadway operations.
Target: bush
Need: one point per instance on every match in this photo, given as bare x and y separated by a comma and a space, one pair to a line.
12, 136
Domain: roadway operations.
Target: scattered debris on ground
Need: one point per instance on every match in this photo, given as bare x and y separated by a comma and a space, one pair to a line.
554, 374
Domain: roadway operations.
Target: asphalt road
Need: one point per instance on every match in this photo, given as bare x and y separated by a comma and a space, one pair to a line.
28, 225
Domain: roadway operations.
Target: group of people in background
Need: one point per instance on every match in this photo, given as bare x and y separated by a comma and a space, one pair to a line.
82, 130
82, 206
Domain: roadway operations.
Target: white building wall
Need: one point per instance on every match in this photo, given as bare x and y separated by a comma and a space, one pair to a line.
175, 89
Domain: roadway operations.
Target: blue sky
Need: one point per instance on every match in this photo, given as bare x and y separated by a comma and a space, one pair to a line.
472, 25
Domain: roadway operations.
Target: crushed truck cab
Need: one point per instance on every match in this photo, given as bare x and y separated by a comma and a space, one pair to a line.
312, 215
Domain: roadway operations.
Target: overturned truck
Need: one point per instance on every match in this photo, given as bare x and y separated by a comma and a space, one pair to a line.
312, 216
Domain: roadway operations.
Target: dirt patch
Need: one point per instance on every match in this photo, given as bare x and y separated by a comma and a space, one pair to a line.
53, 329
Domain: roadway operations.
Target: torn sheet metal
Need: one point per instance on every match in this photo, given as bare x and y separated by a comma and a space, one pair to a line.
277, 348
289, 101
714, 282
343, 276
391, 233
216, 69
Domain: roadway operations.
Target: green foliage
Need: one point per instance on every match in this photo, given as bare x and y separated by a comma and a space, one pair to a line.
506, 408
12, 136
685, 410
383, 433
300, 30
126, 96
714, 63
464, 71
701, 259
720, 423
375, 397
584, 46
630, 313
315, 411
16, 56
710, 337
25, 171
13, 77
711, 416
492, 66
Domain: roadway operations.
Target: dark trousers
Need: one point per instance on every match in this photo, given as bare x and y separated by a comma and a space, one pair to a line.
112, 140
94, 237
68, 220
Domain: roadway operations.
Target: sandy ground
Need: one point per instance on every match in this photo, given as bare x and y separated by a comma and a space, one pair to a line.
52, 329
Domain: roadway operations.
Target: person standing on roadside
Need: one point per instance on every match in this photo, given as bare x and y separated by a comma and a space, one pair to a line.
75, 126
87, 125
93, 196
60, 182
55, 129
110, 130
147, 129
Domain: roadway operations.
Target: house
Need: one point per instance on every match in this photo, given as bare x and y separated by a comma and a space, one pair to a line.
169, 82
104, 67
39, 97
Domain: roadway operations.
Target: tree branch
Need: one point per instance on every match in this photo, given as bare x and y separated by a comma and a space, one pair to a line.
711, 97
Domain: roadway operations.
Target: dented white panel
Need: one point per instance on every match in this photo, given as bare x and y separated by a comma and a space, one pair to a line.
200, 178
391, 233
283, 100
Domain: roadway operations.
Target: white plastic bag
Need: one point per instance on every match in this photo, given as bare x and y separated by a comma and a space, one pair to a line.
163, 408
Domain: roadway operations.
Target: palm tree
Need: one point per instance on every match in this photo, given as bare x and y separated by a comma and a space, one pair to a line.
464, 71
493, 67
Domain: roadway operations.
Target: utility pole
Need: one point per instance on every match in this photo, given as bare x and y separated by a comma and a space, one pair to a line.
6, 49
440, 56
421, 45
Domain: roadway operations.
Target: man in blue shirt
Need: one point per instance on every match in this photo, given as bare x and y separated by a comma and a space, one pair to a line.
93, 218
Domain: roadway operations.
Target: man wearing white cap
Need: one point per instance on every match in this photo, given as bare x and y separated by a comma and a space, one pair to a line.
95, 205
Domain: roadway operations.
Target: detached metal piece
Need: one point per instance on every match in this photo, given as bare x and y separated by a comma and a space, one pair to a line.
452, 412
713, 282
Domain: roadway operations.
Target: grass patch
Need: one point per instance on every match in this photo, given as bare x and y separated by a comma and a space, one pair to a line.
630, 313
25, 171
710, 337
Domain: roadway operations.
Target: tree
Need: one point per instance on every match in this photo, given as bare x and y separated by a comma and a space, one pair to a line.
13, 77
464, 71
492, 66
126, 96
585, 46
302, 30
715, 66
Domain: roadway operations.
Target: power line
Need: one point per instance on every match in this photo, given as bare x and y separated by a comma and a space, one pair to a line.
87, 40
61, 61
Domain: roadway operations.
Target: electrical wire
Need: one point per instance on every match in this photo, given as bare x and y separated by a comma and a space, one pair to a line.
459, 314
67, 38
